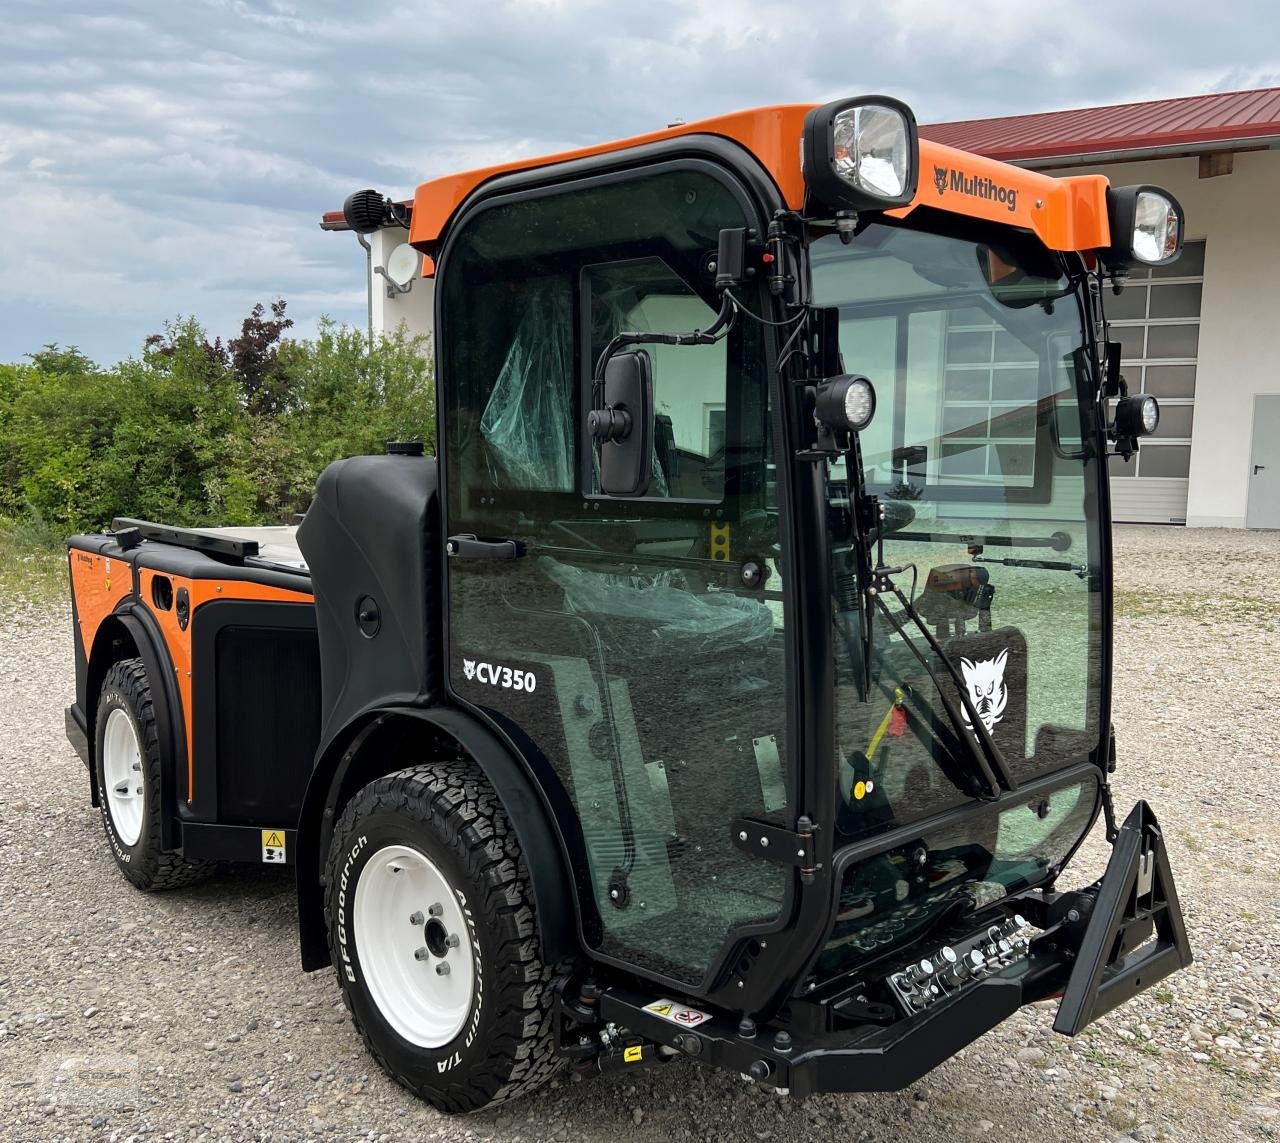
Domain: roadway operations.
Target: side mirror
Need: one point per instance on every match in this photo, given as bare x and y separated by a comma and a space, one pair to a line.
622, 427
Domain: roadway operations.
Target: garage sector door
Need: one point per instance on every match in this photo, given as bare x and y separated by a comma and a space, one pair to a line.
1157, 322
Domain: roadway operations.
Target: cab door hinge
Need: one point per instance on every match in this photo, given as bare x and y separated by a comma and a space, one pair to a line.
779, 845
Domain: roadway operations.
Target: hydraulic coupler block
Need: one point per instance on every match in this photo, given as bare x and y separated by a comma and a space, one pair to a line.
948, 969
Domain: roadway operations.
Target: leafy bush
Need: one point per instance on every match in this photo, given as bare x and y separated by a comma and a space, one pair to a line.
196, 432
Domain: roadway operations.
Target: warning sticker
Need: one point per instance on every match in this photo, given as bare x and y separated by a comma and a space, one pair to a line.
677, 1013
633, 1055
273, 852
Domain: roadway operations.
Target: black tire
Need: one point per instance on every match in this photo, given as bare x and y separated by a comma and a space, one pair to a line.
449, 812
144, 863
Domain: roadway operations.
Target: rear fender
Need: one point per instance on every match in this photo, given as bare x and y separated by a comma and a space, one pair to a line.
128, 633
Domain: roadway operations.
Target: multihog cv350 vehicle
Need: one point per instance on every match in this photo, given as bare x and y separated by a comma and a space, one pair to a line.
735, 683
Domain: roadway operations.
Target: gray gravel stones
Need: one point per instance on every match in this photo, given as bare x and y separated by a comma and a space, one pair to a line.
192, 1009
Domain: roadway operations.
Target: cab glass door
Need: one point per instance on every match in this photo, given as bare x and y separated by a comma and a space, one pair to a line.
634, 649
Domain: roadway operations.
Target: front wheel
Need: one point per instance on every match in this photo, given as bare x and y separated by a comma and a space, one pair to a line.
432, 929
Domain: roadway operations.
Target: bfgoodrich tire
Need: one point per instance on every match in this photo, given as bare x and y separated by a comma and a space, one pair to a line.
433, 934
127, 765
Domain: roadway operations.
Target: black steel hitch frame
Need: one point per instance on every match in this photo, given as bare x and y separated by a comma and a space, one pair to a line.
1135, 935
1099, 947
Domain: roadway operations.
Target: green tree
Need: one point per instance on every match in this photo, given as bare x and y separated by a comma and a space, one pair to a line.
198, 432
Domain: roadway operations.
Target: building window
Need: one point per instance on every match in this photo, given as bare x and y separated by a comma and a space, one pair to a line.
1157, 322
992, 381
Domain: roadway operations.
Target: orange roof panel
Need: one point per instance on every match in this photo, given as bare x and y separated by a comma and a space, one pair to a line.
1067, 213
772, 134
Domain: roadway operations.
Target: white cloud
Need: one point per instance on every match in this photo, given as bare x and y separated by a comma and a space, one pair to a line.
166, 158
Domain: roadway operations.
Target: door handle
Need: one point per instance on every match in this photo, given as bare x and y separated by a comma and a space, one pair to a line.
467, 547
1257, 468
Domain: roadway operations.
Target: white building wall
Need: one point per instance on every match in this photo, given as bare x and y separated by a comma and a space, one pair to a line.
415, 308
1235, 215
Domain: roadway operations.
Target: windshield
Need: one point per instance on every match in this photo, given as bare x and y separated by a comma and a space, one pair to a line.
990, 507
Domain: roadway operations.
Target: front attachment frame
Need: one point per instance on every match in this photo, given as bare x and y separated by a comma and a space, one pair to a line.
1099, 946
1135, 935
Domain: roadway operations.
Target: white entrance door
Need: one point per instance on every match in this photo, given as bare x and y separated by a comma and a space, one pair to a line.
1264, 465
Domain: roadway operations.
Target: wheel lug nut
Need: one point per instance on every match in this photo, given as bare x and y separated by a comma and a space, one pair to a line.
416, 919
451, 941
442, 969
436, 910
421, 954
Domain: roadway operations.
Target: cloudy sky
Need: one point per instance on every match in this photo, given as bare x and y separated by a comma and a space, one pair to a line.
160, 157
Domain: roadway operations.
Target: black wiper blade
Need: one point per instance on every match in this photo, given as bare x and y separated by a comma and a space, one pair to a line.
976, 755
981, 735
922, 723
985, 751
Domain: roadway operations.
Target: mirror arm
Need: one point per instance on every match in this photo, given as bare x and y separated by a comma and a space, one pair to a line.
708, 336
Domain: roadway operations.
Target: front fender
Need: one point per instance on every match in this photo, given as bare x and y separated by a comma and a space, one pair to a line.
352, 758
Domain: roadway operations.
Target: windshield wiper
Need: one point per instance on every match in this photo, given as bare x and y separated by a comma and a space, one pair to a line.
920, 720
976, 755
986, 755
1080, 570
867, 518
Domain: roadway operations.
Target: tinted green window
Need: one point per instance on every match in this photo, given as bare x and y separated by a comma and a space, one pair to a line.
651, 696
988, 494
888, 897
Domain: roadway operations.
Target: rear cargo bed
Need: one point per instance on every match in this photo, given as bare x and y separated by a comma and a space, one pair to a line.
224, 622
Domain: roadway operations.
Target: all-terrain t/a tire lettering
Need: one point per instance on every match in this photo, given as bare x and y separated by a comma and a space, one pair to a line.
444, 821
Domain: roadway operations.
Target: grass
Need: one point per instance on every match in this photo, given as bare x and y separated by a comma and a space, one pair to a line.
33, 562
1205, 608
1239, 1074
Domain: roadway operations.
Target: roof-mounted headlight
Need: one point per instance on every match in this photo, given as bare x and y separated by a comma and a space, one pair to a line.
862, 154
1146, 227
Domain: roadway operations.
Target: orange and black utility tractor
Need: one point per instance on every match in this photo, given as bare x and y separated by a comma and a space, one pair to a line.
735, 683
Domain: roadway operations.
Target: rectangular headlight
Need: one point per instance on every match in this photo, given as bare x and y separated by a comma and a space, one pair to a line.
861, 154
1146, 227
1156, 227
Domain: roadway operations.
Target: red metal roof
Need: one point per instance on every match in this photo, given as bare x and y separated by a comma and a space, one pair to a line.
1195, 121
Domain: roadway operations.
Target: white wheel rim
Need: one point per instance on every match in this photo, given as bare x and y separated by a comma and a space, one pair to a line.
122, 771
406, 918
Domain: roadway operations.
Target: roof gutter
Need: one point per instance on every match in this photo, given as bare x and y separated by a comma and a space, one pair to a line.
1138, 154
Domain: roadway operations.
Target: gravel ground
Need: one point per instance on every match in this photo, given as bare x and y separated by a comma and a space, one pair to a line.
197, 1022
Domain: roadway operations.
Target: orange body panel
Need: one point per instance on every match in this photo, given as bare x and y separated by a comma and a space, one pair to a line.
98, 584
1066, 213
178, 642
772, 134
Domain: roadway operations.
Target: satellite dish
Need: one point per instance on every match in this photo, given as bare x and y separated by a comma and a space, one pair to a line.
404, 265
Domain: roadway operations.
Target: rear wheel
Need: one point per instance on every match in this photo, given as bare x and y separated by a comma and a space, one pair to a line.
432, 930
127, 770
